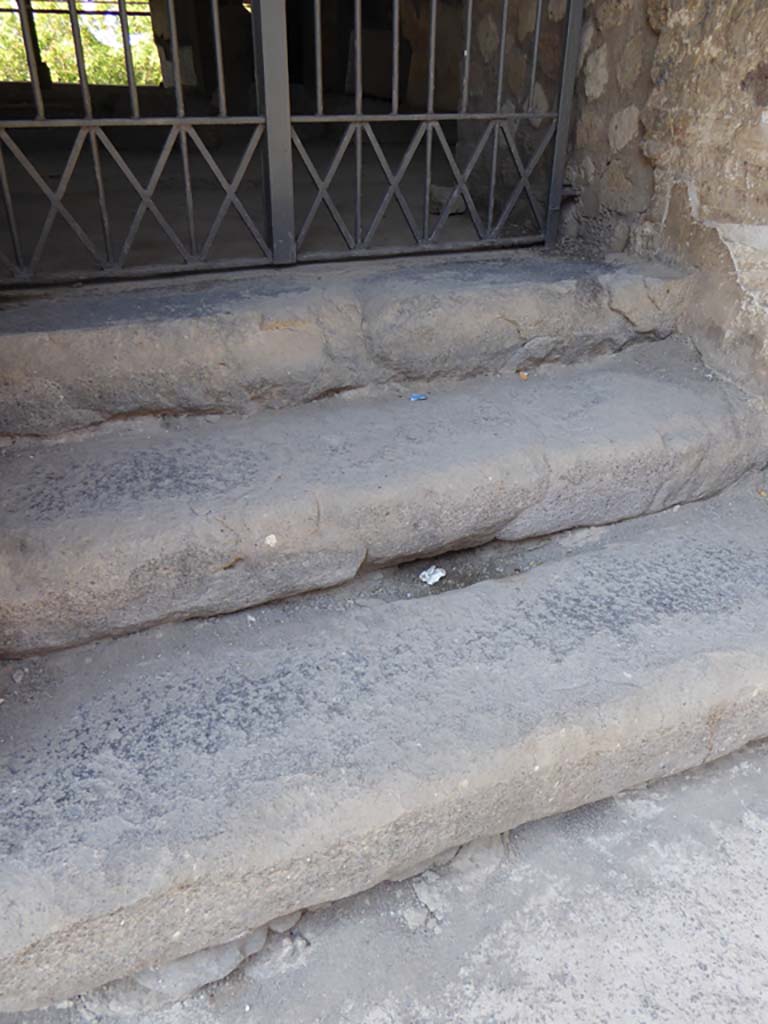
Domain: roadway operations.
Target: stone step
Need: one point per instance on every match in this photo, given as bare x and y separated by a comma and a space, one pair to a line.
179, 788
140, 524
266, 340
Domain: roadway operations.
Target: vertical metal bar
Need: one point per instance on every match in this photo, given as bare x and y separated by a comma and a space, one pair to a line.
535, 55
318, 58
85, 89
430, 110
499, 94
358, 49
101, 193
32, 48
9, 211
177, 82
188, 198
432, 48
467, 57
565, 106
271, 59
358, 31
216, 22
88, 109
395, 56
129, 70
502, 54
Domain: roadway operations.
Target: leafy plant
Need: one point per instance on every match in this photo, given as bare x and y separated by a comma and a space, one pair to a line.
102, 46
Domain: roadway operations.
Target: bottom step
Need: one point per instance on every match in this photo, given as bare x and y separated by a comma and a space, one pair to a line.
173, 790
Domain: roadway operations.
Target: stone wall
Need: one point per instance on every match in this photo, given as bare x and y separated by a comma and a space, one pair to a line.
670, 151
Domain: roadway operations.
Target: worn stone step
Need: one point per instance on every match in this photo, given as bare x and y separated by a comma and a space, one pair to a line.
178, 788
125, 528
265, 340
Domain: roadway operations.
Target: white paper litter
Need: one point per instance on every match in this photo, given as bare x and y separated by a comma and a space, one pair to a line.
432, 575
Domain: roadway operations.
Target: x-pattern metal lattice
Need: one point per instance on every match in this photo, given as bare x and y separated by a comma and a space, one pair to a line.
395, 178
271, 133
190, 255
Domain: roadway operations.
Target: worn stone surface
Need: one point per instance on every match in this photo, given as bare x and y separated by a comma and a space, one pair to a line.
121, 529
648, 906
685, 177
173, 790
267, 340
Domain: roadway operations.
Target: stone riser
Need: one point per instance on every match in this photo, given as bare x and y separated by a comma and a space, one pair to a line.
267, 340
112, 533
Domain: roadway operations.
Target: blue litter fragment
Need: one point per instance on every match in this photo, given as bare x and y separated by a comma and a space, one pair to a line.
419, 398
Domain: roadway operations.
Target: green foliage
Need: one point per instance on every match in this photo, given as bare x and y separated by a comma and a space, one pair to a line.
102, 48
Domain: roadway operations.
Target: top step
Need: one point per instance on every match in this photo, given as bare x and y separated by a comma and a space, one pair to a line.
268, 339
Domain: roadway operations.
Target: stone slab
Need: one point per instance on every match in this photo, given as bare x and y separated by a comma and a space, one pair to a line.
665, 882
136, 525
176, 789
267, 339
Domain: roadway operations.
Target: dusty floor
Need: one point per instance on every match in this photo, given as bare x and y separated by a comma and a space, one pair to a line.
646, 908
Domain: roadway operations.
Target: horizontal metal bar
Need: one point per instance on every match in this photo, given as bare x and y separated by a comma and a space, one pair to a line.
154, 270
413, 250
165, 270
130, 122
79, 10
167, 122
395, 118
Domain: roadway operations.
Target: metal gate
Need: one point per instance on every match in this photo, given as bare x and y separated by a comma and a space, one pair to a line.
278, 131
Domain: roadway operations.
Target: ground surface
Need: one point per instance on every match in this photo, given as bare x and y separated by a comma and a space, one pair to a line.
645, 908
175, 789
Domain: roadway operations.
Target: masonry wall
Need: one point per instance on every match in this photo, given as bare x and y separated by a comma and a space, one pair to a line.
670, 150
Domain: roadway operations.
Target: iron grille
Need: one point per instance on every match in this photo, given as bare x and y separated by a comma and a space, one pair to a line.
281, 131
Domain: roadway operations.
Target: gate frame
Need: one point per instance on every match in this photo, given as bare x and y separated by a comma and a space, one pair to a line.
274, 129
